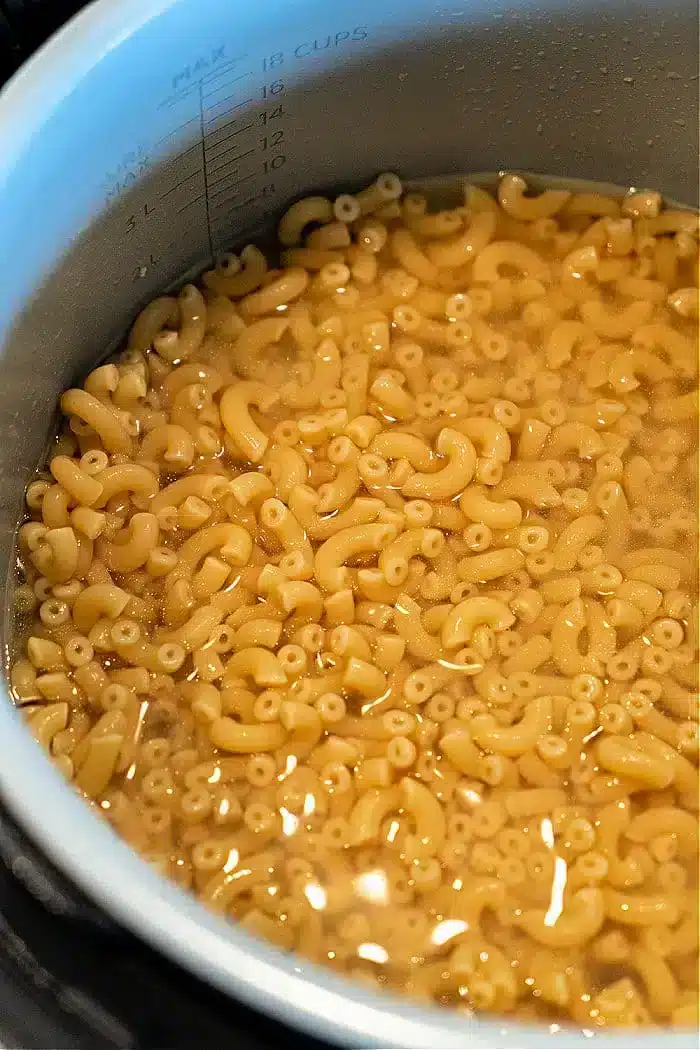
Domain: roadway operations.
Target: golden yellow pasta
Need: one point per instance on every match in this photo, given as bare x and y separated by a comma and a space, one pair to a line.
360, 596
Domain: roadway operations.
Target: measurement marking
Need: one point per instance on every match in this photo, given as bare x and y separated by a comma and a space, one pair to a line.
223, 68
223, 127
237, 207
180, 183
171, 100
175, 130
226, 189
222, 87
217, 156
224, 178
201, 197
227, 138
239, 105
215, 105
240, 156
225, 203
181, 156
204, 170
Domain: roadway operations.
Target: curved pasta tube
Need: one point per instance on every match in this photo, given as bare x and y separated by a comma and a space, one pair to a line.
565, 337
126, 477
82, 488
240, 275
488, 263
408, 254
450, 252
253, 340
171, 443
238, 422
47, 722
476, 893
395, 444
233, 543
175, 346
223, 888
303, 502
531, 655
331, 557
654, 556
428, 816
476, 963
579, 922
335, 494
569, 437
96, 601
514, 740
302, 598
453, 478
263, 632
490, 437
158, 314
574, 538
625, 367
409, 626
209, 487
462, 621
624, 758
259, 664
660, 984
462, 752
102, 418
530, 489
394, 559
245, 739
299, 215
665, 820
679, 349
478, 507
684, 773
612, 324
251, 489
277, 517
304, 726
391, 396
326, 376
632, 909
129, 550
95, 772
197, 630
280, 291
579, 615
190, 374
511, 196
287, 470
57, 555
480, 568
370, 811
362, 677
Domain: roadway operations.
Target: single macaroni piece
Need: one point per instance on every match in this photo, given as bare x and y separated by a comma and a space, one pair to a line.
360, 596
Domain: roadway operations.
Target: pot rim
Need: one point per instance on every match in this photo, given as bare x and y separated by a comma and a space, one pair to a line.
296, 992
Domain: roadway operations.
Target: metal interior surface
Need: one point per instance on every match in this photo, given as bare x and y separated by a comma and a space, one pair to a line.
149, 136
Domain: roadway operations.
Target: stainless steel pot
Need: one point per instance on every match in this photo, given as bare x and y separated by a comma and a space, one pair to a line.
152, 133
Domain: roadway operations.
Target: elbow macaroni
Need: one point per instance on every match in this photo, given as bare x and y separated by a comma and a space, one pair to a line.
361, 596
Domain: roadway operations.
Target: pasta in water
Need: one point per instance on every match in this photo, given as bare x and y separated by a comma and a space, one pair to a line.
360, 597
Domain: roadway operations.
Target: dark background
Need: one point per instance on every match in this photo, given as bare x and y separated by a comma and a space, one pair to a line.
25, 24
